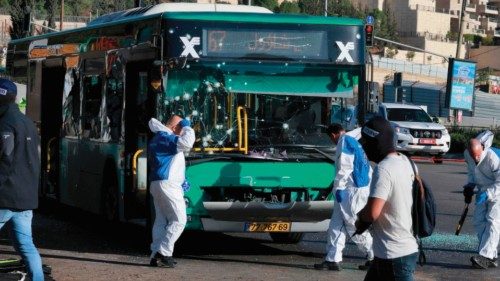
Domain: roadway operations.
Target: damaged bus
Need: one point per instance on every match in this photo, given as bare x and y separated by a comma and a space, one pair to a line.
257, 87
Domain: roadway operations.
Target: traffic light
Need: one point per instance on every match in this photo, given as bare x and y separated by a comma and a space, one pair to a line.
398, 79
368, 35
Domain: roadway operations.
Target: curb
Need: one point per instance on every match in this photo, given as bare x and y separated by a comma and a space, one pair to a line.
433, 159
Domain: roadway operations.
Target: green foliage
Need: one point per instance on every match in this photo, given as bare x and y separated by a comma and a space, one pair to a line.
483, 76
4, 4
452, 36
51, 7
385, 24
312, 7
270, 4
289, 8
460, 137
487, 41
390, 53
343, 8
410, 55
467, 37
340, 8
16, 11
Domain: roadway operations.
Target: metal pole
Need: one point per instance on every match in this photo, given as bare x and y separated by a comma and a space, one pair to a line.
326, 8
409, 47
461, 29
62, 15
362, 96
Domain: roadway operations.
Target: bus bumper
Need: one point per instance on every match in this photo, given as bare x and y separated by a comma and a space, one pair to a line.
237, 226
307, 212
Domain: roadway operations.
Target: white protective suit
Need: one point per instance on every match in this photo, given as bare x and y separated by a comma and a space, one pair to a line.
351, 188
486, 176
168, 194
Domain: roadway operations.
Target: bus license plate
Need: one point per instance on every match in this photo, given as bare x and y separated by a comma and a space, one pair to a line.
427, 141
267, 226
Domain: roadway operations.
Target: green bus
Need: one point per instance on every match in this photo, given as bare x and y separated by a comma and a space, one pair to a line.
257, 87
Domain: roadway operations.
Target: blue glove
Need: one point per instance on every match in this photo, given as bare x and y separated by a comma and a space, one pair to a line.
340, 195
186, 186
481, 197
184, 123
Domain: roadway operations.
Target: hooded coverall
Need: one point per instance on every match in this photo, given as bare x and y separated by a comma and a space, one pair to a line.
486, 176
351, 189
167, 175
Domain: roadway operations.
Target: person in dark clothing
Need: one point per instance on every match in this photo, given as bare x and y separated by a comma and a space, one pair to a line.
19, 175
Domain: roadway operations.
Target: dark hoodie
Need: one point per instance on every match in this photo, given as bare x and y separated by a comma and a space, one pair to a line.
19, 160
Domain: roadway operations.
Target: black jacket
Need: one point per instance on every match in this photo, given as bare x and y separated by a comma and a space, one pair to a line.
19, 160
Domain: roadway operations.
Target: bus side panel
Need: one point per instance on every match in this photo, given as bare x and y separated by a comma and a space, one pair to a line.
82, 173
69, 171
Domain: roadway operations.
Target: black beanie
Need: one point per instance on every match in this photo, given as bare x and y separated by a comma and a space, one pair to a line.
377, 138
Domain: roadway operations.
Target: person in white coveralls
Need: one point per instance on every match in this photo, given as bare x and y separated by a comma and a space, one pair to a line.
168, 181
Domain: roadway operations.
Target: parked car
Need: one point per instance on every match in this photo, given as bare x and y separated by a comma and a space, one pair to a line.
417, 132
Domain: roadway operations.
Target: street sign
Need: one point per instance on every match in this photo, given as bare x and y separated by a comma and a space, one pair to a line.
370, 20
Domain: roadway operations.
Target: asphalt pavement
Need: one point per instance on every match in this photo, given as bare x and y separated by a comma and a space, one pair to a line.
81, 247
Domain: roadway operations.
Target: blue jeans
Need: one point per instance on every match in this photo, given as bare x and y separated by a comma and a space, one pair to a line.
23, 241
398, 269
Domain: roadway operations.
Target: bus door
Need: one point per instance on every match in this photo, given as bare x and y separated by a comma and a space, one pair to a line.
50, 126
139, 108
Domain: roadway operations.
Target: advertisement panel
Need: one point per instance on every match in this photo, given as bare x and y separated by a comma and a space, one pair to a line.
460, 86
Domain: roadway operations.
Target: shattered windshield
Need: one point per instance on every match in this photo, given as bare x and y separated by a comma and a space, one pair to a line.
272, 121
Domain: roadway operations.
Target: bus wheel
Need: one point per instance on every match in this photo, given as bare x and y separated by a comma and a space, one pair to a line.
110, 194
286, 238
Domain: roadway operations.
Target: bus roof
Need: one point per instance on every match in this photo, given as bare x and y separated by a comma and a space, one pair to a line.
198, 12
263, 18
177, 7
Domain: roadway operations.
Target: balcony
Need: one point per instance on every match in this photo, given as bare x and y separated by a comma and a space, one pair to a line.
470, 8
479, 31
487, 9
489, 23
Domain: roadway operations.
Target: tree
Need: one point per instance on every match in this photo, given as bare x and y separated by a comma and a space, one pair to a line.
20, 14
385, 24
51, 8
487, 41
270, 4
343, 8
312, 7
289, 7
410, 55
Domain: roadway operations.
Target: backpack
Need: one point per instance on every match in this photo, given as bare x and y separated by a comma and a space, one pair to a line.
423, 211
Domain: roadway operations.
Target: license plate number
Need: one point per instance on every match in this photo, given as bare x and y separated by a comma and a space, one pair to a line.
267, 226
427, 141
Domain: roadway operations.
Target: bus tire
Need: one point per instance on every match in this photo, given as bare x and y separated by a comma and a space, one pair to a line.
286, 238
110, 196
